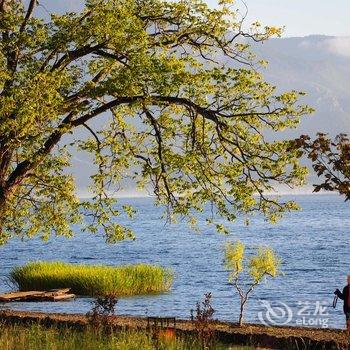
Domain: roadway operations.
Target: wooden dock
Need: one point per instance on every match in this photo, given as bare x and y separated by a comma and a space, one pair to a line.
50, 295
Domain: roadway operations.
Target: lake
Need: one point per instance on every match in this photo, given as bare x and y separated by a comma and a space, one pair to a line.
313, 244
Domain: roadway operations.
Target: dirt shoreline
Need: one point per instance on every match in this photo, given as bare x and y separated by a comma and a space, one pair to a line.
230, 333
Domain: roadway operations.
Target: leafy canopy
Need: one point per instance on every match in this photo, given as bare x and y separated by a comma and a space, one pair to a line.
187, 110
264, 263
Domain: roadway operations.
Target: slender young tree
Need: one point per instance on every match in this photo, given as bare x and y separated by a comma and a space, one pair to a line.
260, 266
186, 106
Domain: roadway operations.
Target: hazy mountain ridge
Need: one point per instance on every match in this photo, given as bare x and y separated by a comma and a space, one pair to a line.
319, 66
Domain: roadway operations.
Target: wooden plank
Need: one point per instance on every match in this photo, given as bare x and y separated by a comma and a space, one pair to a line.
19, 295
56, 292
59, 291
52, 295
63, 297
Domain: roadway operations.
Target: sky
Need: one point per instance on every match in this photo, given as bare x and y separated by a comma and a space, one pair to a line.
300, 17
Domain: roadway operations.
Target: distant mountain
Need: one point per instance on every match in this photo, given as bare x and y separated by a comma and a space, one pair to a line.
319, 66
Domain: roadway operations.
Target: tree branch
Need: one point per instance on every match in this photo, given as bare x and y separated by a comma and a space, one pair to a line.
28, 14
71, 56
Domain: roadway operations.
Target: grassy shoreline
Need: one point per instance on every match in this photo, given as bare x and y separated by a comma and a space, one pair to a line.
37, 337
252, 335
93, 280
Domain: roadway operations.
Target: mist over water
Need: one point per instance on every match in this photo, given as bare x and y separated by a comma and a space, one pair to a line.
313, 244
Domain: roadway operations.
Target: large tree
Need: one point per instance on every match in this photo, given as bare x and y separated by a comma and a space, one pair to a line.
187, 111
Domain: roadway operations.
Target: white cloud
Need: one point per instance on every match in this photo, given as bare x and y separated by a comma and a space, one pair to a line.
339, 46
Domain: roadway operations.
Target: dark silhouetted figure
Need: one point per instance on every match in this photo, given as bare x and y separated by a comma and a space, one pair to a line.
346, 297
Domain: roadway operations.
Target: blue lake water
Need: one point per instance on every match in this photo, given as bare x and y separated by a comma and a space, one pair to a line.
313, 244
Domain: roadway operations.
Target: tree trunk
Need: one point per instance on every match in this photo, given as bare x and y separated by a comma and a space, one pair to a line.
2, 211
2, 201
240, 321
243, 302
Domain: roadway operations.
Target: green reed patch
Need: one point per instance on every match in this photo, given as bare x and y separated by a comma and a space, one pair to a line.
93, 280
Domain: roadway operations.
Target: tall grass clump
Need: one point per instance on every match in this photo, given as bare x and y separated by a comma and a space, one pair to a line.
93, 280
